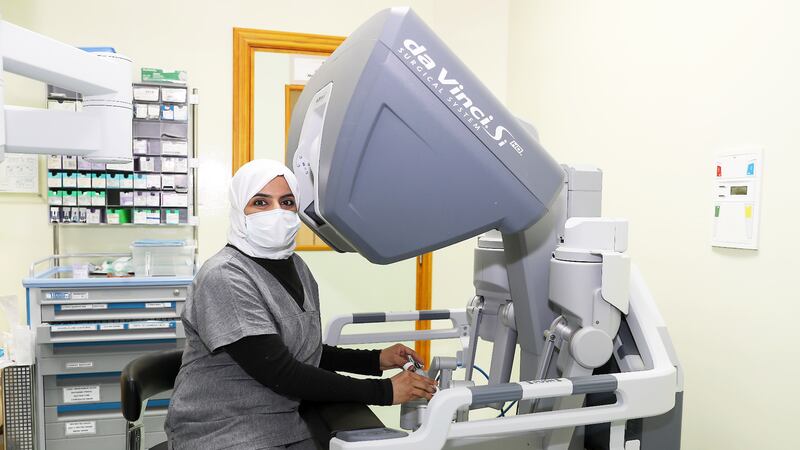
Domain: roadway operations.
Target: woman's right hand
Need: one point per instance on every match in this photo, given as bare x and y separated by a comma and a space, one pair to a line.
407, 385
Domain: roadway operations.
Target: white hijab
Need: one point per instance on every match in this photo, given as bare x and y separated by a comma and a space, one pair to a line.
249, 180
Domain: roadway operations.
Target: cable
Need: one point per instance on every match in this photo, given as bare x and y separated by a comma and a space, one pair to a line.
481, 371
507, 409
503, 410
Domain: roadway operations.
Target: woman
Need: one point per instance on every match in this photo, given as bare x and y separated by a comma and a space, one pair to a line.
253, 340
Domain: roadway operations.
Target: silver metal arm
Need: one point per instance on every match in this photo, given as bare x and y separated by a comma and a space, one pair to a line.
102, 131
639, 394
458, 318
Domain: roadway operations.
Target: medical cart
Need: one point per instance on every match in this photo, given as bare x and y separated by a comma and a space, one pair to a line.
86, 331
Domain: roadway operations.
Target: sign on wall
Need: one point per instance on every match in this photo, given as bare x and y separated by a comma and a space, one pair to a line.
19, 173
737, 199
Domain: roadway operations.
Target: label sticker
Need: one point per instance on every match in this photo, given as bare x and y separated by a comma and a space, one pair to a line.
79, 428
112, 326
83, 306
78, 394
147, 325
74, 327
79, 365
80, 296
158, 305
57, 295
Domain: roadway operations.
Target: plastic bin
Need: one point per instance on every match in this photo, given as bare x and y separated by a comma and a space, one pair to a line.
157, 258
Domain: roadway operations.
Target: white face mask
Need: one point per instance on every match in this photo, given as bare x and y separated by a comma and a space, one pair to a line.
273, 232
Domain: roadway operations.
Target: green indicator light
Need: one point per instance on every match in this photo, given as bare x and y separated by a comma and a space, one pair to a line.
716, 211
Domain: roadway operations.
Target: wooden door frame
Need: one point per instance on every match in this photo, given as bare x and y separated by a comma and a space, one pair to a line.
248, 41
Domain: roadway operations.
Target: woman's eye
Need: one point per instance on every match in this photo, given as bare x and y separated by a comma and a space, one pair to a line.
287, 203
259, 203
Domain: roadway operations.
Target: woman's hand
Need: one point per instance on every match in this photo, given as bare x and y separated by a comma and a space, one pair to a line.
407, 385
395, 356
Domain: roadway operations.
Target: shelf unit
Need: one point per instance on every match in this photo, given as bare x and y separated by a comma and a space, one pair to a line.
157, 189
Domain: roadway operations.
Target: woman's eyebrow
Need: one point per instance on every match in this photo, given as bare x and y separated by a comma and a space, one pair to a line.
259, 194
287, 195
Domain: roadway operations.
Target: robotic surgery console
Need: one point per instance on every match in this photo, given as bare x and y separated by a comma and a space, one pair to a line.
400, 150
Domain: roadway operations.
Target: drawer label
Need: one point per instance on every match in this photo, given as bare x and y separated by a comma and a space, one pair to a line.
148, 325
158, 305
79, 365
83, 306
112, 326
79, 394
80, 428
61, 295
73, 327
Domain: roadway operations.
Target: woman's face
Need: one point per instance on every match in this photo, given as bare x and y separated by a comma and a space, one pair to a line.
275, 194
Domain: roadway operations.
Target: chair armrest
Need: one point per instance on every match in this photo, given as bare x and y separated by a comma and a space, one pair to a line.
145, 377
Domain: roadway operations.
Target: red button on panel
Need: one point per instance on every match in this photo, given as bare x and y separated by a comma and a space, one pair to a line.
719, 171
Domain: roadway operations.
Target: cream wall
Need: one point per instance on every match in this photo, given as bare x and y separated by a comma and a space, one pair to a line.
649, 91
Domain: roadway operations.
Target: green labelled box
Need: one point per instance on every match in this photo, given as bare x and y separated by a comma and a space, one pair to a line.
154, 75
172, 216
98, 198
54, 197
85, 198
69, 198
118, 216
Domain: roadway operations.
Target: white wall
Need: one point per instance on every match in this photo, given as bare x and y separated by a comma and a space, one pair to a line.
649, 91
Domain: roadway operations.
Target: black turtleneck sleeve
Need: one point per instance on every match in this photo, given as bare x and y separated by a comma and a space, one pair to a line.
267, 360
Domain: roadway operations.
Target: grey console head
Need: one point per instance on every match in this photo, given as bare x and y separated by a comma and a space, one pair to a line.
399, 149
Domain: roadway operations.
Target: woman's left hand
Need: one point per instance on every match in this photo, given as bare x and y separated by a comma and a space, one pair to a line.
396, 356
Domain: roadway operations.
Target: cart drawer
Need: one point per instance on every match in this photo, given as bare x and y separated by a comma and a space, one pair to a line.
110, 294
75, 389
87, 427
97, 411
116, 442
135, 330
82, 358
115, 310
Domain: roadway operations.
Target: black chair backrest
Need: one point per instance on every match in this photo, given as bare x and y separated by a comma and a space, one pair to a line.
145, 377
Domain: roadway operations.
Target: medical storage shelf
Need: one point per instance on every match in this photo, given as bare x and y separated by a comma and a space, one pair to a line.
86, 331
157, 188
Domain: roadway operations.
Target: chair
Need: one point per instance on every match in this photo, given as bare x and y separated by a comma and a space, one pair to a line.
141, 379
154, 373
